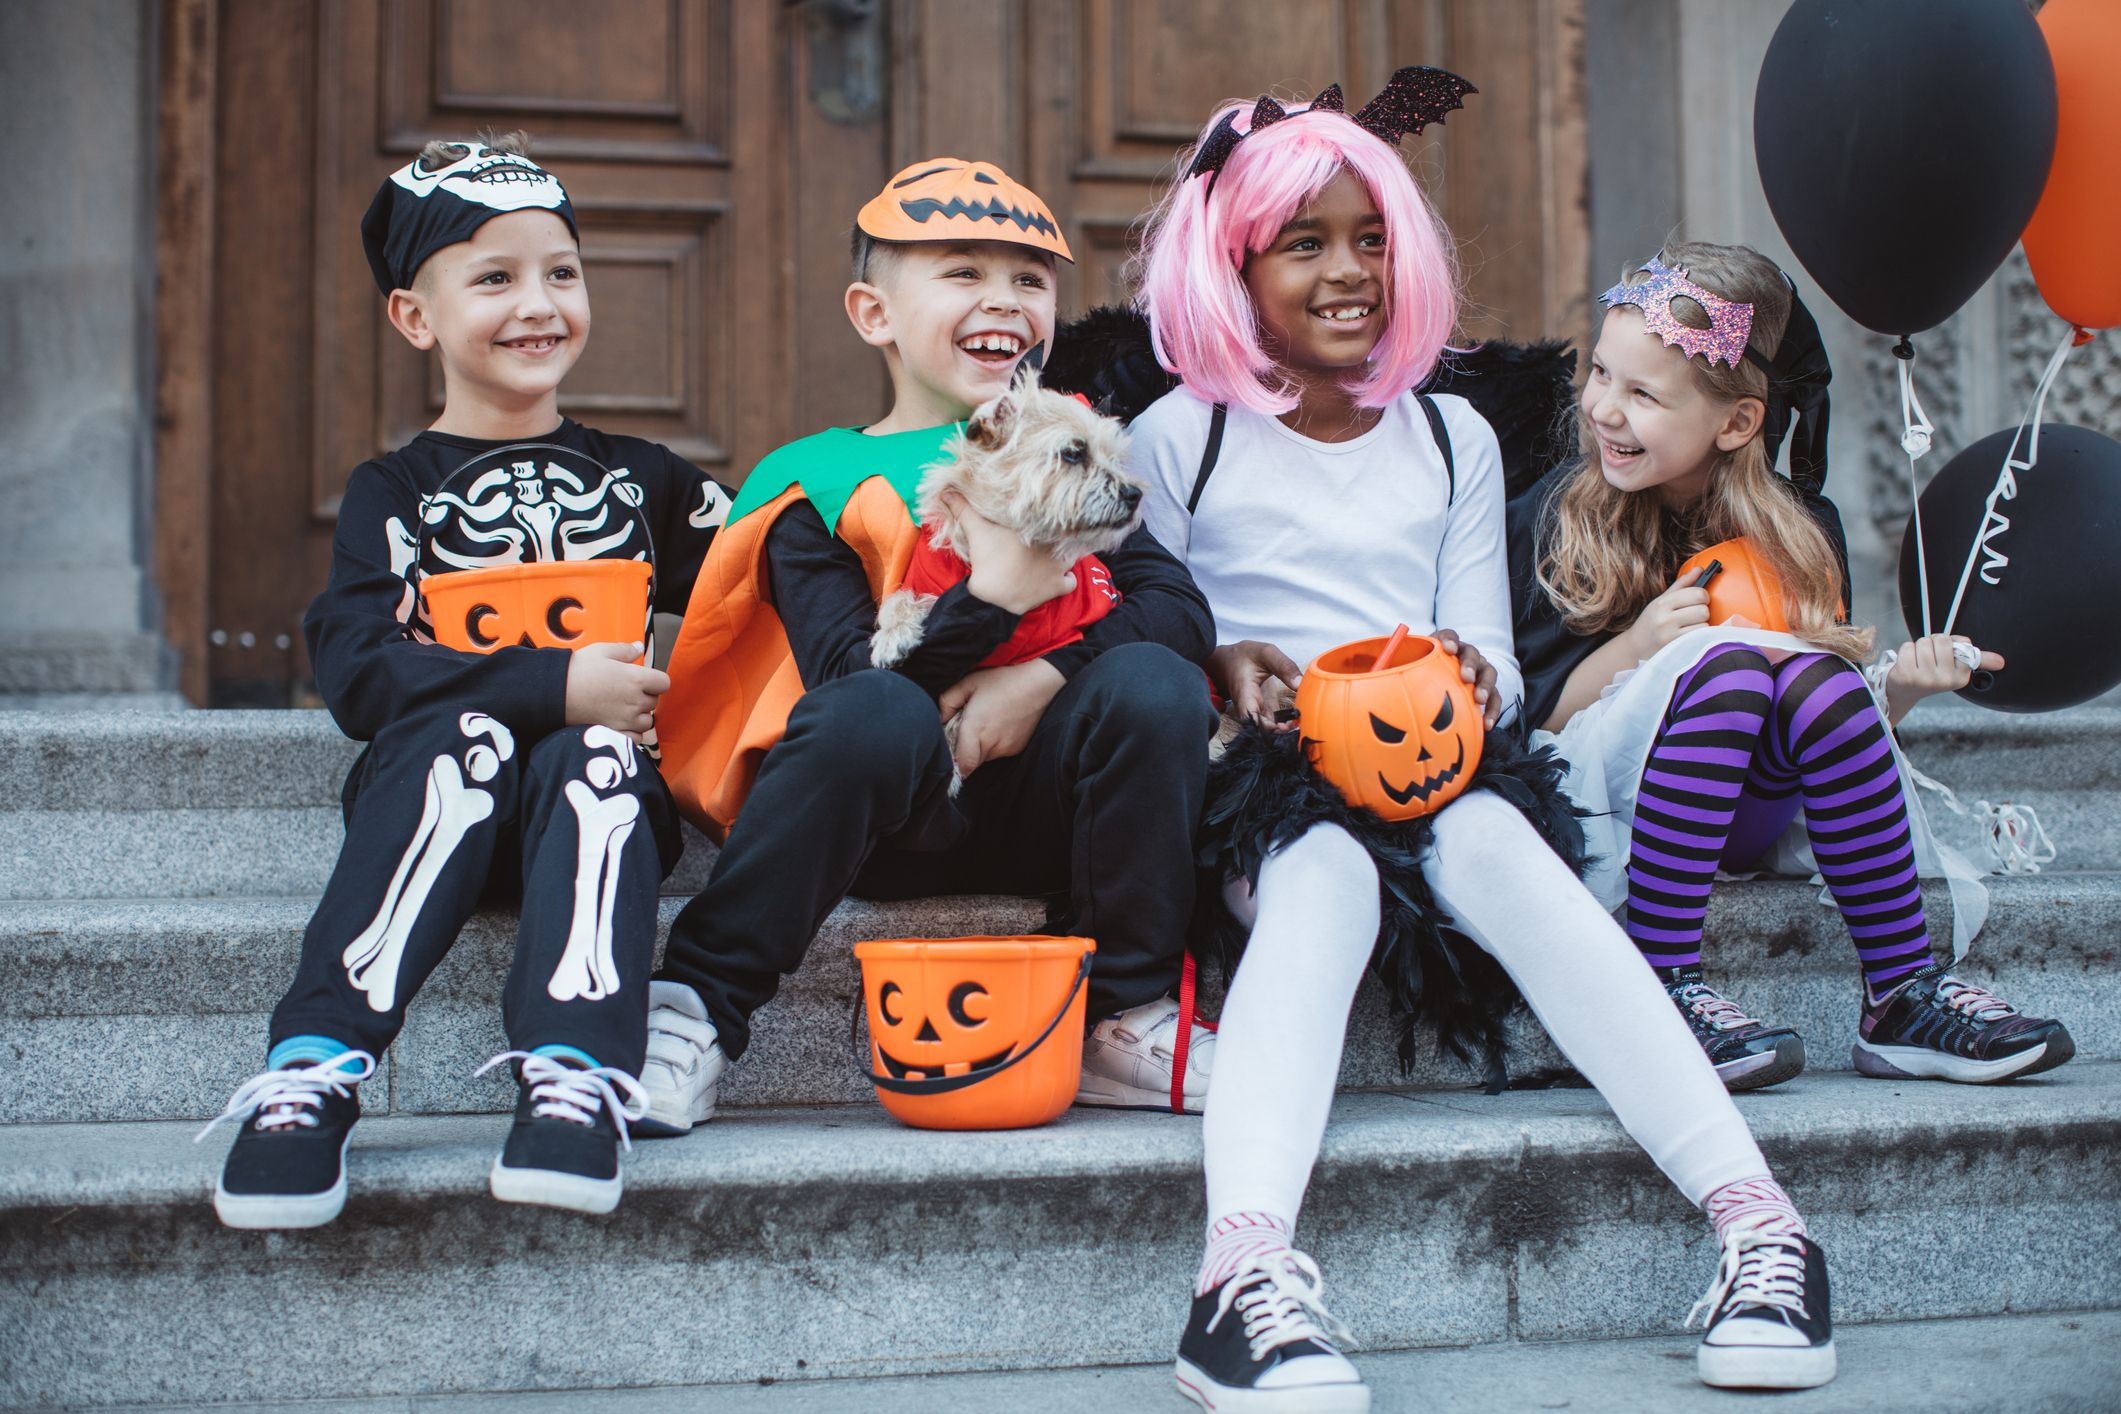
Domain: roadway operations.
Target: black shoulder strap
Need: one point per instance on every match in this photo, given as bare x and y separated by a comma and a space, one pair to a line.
1214, 449
1443, 444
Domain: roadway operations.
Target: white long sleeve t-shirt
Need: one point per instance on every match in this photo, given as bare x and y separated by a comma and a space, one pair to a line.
1306, 544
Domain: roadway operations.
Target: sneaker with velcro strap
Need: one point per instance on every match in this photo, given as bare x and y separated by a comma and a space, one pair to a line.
683, 1073
287, 1168
1129, 1059
1263, 1343
1770, 1319
563, 1149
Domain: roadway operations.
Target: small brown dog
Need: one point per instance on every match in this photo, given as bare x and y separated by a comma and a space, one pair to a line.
1040, 463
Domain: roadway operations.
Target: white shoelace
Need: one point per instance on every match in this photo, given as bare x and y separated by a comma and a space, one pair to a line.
1712, 1006
576, 1093
1286, 1306
1977, 1003
1761, 1266
289, 1098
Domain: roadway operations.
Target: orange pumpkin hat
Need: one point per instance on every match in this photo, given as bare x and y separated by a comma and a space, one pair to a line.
950, 199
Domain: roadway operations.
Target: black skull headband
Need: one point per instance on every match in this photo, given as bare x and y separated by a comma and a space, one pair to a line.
1411, 99
420, 209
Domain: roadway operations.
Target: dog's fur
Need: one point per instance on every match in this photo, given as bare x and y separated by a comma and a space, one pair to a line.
1035, 461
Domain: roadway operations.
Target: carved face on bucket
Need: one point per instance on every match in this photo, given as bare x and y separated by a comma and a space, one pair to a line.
933, 1019
1399, 743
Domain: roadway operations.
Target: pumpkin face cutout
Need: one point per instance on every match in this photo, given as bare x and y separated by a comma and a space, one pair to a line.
950, 199
566, 604
1399, 743
1744, 588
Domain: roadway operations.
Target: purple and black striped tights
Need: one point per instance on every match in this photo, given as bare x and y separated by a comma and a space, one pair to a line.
1746, 745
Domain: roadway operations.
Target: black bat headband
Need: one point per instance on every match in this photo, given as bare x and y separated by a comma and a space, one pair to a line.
1411, 99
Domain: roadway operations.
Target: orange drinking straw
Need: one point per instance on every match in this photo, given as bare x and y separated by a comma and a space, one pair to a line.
1384, 659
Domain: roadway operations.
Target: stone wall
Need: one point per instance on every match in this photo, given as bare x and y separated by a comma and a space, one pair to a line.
76, 337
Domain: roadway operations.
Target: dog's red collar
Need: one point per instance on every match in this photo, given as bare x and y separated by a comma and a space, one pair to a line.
1053, 624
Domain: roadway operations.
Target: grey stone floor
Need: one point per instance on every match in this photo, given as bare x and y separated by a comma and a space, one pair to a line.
2061, 1364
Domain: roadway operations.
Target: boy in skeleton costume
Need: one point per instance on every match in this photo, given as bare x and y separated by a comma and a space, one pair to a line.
1083, 766
523, 767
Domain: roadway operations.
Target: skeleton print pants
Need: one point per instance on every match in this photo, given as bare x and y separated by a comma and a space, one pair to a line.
447, 809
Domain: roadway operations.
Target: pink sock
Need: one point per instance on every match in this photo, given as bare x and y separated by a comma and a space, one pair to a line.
1750, 1200
1234, 1237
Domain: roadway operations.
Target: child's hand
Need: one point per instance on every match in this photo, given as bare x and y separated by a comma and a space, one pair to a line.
1664, 618
605, 688
998, 709
1476, 670
1241, 671
1006, 572
1929, 666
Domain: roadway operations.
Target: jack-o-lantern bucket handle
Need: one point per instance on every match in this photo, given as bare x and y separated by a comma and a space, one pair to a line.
944, 1084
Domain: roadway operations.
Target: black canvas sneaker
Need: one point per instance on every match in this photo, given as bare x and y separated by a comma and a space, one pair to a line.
1770, 1323
1935, 1027
287, 1167
1263, 1341
1747, 1054
563, 1150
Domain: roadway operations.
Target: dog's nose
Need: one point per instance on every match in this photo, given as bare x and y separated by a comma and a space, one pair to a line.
1130, 496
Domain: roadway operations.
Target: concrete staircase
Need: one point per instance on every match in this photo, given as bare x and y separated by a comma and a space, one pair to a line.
157, 867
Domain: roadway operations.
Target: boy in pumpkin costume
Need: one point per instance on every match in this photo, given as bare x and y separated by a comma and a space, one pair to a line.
526, 764
1084, 768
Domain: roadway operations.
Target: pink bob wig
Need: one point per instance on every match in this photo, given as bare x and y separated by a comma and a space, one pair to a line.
1198, 239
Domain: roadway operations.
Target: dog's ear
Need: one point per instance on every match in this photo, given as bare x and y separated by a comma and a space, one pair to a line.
993, 420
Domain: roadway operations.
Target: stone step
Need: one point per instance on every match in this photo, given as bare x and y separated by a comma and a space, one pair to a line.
132, 760
212, 804
123, 1010
2056, 1361
811, 1243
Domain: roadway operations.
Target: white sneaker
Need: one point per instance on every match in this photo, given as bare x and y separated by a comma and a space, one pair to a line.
1127, 1060
683, 1072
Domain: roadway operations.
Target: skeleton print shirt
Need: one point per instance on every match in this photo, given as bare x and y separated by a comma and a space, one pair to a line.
407, 515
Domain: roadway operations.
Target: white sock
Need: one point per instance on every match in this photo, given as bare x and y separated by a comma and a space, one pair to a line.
1234, 1237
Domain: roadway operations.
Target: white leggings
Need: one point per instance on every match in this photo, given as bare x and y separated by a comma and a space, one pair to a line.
1314, 922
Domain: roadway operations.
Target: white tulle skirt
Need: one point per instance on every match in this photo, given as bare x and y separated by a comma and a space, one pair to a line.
1608, 742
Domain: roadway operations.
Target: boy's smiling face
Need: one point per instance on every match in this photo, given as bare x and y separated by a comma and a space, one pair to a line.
508, 312
954, 321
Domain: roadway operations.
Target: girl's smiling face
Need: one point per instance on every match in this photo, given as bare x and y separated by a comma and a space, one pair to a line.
1655, 427
1319, 286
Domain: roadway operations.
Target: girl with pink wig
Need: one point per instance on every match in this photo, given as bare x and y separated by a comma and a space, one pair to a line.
1302, 288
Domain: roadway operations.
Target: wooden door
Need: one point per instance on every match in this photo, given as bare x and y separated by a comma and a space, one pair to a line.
716, 151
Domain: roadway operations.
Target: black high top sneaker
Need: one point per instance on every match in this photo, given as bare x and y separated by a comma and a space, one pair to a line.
1747, 1054
563, 1150
1263, 1341
1935, 1027
1770, 1322
287, 1168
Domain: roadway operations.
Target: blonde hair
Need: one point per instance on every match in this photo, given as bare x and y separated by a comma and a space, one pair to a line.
1610, 552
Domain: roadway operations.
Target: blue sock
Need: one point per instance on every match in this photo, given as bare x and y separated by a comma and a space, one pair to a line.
569, 1053
313, 1050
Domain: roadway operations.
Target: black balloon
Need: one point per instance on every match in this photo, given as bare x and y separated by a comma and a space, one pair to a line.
2053, 612
1903, 145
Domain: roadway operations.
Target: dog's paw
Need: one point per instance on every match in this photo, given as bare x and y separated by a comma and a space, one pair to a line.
901, 622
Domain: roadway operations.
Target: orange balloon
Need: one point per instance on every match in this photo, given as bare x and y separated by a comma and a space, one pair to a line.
2075, 231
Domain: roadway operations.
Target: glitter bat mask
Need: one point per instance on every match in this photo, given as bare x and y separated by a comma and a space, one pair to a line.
1730, 323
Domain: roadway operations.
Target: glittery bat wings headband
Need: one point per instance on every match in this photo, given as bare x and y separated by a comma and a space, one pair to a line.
1411, 99
1730, 323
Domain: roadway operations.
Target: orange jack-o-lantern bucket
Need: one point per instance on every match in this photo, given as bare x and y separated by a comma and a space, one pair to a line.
975, 1033
1743, 586
552, 604
1399, 741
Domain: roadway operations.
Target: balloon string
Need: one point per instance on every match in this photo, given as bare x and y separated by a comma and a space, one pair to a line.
1993, 522
1915, 430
